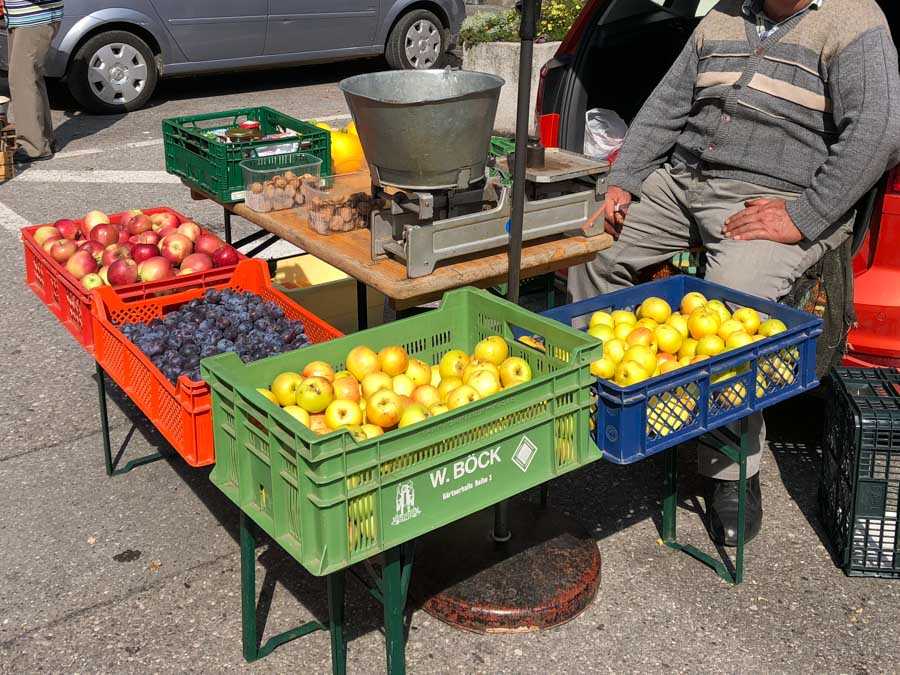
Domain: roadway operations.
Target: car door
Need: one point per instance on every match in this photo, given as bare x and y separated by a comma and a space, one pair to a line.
214, 30
303, 26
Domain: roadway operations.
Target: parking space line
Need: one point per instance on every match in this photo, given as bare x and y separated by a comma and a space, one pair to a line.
99, 151
58, 176
10, 220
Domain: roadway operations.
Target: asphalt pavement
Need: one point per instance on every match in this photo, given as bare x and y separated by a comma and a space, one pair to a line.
140, 572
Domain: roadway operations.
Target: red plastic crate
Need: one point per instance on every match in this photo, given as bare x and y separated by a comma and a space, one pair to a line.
181, 411
70, 302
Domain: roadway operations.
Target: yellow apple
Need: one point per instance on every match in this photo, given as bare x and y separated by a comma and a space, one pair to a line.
688, 348
485, 383
514, 370
314, 394
438, 408
758, 337
601, 319
342, 413
319, 369
342, 374
622, 331
692, 301
771, 327
402, 385
426, 395
372, 430
393, 360
614, 350
703, 322
602, 332
738, 339
419, 372
668, 338
405, 402
710, 345
414, 413
492, 349
268, 394
435, 376
475, 366
384, 409
317, 424
604, 368
724, 375
699, 358
461, 396
533, 341
629, 373
656, 309
640, 336
641, 355
361, 361
719, 308
680, 323
298, 413
668, 367
346, 388
357, 432
375, 382
685, 361
453, 363
624, 316
447, 385
285, 386
749, 317
728, 327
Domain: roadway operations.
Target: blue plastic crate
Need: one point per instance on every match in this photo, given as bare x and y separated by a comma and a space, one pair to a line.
636, 422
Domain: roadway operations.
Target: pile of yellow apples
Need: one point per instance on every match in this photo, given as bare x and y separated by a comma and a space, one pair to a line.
656, 340
388, 389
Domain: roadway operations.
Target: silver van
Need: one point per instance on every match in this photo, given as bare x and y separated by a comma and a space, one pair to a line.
112, 54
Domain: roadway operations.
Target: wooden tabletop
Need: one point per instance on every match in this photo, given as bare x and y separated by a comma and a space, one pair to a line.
350, 252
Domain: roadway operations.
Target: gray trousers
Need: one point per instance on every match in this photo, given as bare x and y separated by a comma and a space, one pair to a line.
28, 47
679, 207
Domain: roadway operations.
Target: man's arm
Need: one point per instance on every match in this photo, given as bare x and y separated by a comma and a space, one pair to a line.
865, 92
653, 132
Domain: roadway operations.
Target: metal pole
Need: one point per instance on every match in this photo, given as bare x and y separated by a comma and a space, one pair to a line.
531, 10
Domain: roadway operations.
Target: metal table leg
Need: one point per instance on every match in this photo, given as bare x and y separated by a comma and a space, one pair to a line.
397, 572
111, 463
250, 629
227, 220
362, 306
733, 446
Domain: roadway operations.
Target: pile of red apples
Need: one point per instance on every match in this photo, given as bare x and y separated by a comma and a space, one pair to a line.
142, 248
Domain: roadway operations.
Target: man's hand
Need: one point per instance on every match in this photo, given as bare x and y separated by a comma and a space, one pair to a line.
613, 211
766, 219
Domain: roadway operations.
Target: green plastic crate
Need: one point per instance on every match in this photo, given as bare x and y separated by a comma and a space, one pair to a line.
214, 166
331, 501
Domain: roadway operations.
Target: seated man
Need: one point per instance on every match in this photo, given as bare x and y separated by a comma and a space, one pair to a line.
773, 122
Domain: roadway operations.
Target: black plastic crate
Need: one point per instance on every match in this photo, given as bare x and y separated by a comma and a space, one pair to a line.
859, 487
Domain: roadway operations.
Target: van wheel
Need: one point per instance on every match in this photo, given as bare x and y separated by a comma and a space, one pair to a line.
113, 72
418, 41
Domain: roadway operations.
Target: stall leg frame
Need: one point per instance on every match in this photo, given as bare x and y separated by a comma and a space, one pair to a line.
112, 468
734, 446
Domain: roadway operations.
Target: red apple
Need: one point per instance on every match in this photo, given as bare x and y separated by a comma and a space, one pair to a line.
63, 249
145, 238
48, 244
122, 271
44, 233
142, 252
123, 236
92, 247
114, 252
105, 234
164, 232
94, 218
81, 263
226, 255
155, 268
68, 228
190, 230
196, 262
208, 243
176, 247
137, 224
164, 219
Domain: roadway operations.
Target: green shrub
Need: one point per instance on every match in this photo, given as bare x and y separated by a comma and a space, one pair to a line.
557, 16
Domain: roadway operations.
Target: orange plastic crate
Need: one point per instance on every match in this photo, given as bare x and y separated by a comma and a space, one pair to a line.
70, 302
181, 411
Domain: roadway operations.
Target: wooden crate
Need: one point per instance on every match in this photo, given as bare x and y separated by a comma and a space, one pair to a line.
7, 150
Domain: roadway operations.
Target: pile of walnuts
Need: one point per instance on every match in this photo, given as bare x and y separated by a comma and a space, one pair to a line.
283, 191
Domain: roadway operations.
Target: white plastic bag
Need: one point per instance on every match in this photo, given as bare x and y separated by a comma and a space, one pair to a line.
604, 133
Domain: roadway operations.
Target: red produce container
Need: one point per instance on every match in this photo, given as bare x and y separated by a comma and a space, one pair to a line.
181, 411
70, 302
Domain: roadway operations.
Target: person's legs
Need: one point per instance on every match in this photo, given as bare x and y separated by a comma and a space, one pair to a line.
656, 227
30, 107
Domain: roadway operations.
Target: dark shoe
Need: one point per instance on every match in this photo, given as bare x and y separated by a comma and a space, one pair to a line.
722, 510
22, 157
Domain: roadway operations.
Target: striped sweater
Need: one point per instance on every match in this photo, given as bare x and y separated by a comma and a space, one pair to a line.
814, 108
21, 13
